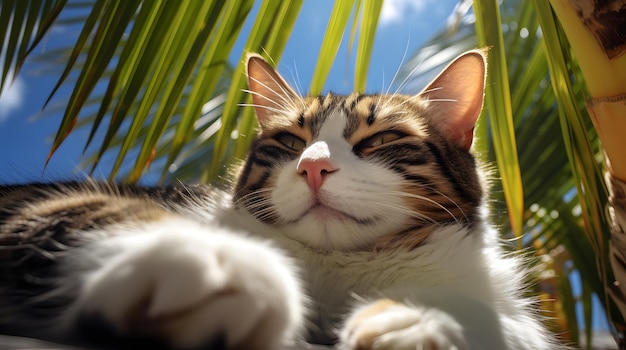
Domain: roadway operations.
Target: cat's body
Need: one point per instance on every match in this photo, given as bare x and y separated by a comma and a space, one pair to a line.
364, 212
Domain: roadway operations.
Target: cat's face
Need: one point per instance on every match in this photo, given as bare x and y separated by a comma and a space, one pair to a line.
364, 171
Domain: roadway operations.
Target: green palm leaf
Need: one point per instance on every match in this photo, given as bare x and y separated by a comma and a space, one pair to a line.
498, 105
23, 24
160, 62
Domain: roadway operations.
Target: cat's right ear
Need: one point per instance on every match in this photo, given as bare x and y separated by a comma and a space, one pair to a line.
458, 93
271, 95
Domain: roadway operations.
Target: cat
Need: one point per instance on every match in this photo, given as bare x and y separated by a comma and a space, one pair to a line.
357, 221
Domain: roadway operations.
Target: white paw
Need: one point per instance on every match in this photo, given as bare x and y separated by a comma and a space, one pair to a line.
191, 286
387, 324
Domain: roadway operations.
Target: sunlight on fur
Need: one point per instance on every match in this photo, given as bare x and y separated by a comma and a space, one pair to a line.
356, 221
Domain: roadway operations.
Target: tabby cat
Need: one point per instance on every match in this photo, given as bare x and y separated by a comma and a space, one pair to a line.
355, 220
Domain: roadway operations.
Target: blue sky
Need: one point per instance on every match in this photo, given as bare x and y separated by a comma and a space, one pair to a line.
25, 139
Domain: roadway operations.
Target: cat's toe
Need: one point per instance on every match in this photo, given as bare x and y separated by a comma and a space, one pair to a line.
387, 324
193, 289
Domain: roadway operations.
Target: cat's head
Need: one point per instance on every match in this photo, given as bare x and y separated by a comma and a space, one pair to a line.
364, 171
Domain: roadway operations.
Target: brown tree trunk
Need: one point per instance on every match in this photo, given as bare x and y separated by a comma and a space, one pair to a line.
617, 213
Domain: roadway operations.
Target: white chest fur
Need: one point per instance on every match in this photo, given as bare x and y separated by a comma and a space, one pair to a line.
460, 271
452, 257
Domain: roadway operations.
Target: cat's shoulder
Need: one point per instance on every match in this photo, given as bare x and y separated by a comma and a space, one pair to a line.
179, 198
172, 192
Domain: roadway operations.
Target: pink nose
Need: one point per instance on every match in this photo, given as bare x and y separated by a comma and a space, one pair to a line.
315, 171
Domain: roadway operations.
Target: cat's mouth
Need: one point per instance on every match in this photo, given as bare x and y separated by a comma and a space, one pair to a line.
324, 212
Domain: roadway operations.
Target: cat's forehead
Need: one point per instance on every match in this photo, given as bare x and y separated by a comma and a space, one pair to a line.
358, 114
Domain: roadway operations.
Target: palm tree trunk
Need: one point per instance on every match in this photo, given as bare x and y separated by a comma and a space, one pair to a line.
595, 31
617, 214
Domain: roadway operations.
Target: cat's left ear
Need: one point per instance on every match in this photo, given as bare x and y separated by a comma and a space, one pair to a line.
457, 96
271, 94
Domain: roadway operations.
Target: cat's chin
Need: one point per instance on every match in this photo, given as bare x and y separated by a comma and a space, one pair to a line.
326, 229
323, 227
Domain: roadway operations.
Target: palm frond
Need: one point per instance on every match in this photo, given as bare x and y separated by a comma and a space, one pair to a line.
23, 24
498, 106
154, 65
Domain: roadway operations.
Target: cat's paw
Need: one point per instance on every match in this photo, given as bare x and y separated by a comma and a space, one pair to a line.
190, 287
387, 324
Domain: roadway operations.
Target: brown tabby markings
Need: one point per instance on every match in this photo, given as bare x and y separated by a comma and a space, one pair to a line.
437, 188
55, 215
51, 217
41, 223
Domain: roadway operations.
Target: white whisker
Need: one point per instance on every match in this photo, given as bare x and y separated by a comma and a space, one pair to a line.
432, 89
433, 189
408, 76
271, 109
286, 102
255, 193
297, 79
291, 102
406, 50
429, 200
443, 100
267, 54
406, 211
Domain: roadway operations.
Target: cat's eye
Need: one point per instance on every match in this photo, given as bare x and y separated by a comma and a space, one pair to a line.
380, 139
291, 141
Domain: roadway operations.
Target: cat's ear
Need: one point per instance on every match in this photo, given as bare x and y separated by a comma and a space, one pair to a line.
271, 95
457, 96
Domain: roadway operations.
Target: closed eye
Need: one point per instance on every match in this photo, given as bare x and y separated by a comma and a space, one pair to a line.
291, 141
378, 139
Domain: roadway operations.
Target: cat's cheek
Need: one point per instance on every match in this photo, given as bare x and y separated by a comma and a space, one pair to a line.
291, 196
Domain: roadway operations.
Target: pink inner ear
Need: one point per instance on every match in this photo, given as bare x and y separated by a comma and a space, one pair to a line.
456, 96
270, 93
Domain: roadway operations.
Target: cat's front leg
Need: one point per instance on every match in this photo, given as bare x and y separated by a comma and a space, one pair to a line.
427, 318
386, 324
189, 286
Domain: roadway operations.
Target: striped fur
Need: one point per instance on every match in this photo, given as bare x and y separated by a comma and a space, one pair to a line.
41, 225
430, 166
375, 197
